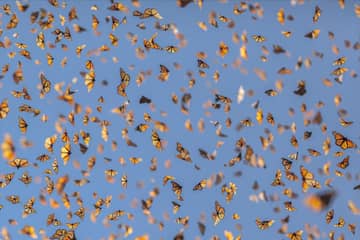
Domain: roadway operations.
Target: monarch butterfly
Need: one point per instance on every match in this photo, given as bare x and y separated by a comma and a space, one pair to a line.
171, 49
219, 213
344, 163
124, 181
313, 34
183, 153
29, 231
167, 178
200, 185
4, 108
61, 183
345, 123
223, 49
329, 216
89, 80
111, 172
19, 163
9, 177
80, 213
65, 152
284, 71
125, 77
67, 34
14, 20
72, 14
50, 59
295, 235
277, 180
287, 34
94, 22
265, 224
49, 142
308, 179
146, 204
183, 220
40, 40
202, 64
151, 43
156, 141
72, 225
281, 16
340, 223
342, 141
151, 12
177, 189
271, 92
135, 160
164, 73
294, 141
258, 38
317, 14
286, 163
288, 206
115, 22
313, 152
339, 71
45, 85
14, 199
114, 39
340, 61
26, 178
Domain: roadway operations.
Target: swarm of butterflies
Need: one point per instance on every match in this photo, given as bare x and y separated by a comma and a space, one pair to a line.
148, 137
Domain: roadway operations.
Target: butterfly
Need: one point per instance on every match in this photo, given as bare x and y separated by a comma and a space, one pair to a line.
308, 179
223, 49
151, 12
344, 163
89, 79
183, 153
313, 34
45, 85
340, 61
219, 213
4, 109
277, 180
171, 49
25, 178
177, 189
317, 14
40, 40
265, 224
72, 225
200, 185
80, 213
164, 73
14, 199
340, 223
258, 38
339, 71
202, 64
156, 141
320, 201
49, 142
281, 16
329, 216
150, 44
114, 39
22, 125
295, 235
342, 141
14, 20
124, 181
19, 163
65, 152
29, 231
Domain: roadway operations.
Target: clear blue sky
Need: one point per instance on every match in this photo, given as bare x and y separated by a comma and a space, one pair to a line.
342, 22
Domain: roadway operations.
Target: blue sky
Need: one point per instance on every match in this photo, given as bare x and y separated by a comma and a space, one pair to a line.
342, 22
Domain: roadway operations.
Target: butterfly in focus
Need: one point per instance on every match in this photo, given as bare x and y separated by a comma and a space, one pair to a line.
264, 224
219, 213
342, 141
